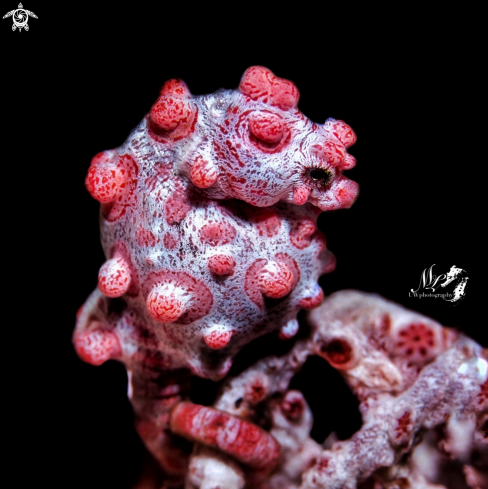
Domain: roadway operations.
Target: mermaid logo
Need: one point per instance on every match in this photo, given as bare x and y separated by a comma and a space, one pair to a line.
20, 16
456, 279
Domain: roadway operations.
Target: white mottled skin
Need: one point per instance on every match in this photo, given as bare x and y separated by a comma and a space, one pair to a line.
162, 169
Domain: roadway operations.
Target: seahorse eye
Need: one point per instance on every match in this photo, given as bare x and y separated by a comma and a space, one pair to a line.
320, 175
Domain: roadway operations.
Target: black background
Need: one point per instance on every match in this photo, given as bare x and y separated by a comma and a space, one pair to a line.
410, 84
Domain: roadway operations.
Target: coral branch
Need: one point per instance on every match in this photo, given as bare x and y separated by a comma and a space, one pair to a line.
401, 399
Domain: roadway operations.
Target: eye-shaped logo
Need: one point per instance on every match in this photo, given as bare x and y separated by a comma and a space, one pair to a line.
20, 16
456, 278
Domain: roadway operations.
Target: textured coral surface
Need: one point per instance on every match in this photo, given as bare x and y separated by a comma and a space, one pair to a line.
424, 415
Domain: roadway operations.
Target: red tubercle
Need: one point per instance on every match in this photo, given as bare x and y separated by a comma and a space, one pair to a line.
145, 238
119, 249
342, 194
290, 263
104, 182
104, 179
261, 84
301, 233
341, 131
217, 234
329, 263
114, 277
276, 280
173, 116
346, 192
348, 162
221, 265
267, 223
266, 127
104, 157
313, 300
234, 436
272, 278
266, 220
176, 296
169, 112
300, 194
218, 337
166, 303
170, 240
126, 195
97, 346
415, 342
334, 153
203, 173
177, 207
176, 87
